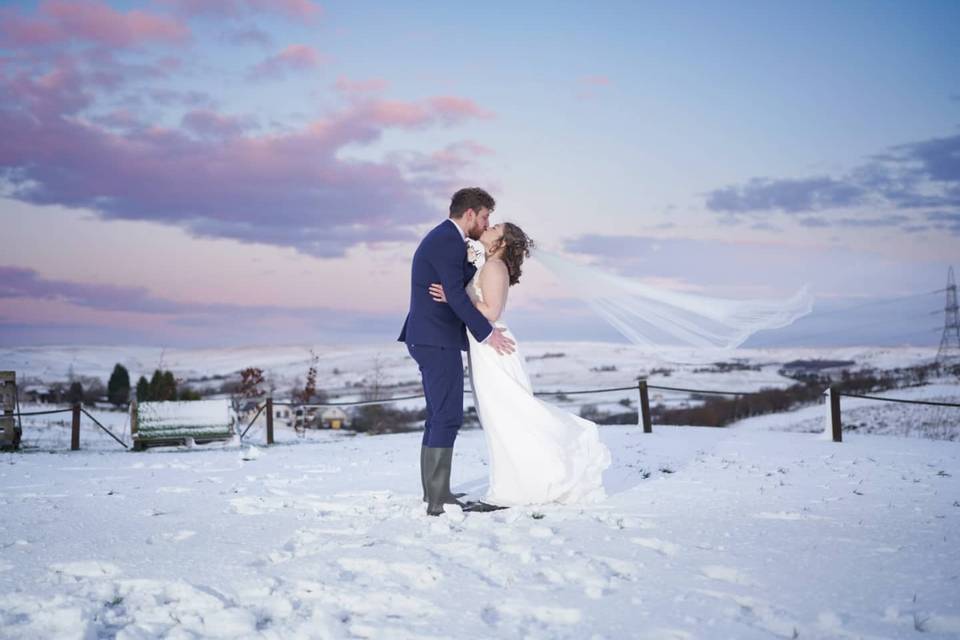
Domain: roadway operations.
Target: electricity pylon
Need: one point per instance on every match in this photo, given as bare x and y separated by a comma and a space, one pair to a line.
949, 350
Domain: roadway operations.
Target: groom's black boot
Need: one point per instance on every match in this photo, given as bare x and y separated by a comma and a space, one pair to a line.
481, 507
438, 462
423, 471
451, 498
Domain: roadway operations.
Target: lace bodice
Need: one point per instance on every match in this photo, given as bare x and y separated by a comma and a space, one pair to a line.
473, 289
477, 256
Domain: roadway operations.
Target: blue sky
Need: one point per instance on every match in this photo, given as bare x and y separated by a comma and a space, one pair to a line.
241, 171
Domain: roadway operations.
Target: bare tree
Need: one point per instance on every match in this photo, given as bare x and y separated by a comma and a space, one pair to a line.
251, 380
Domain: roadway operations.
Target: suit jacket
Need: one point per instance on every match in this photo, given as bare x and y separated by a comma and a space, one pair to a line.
442, 257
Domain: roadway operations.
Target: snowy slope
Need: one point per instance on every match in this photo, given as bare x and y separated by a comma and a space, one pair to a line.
566, 363
707, 533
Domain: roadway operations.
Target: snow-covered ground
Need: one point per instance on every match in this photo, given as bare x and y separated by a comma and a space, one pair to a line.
763, 529
346, 372
708, 533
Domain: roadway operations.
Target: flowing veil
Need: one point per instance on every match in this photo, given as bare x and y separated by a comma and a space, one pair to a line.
651, 316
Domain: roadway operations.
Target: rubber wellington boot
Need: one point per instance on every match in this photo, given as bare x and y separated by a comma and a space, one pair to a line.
451, 498
438, 462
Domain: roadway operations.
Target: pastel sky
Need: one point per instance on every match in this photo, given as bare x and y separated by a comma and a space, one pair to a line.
230, 172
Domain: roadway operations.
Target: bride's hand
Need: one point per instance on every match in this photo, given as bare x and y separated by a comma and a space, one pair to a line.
436, 292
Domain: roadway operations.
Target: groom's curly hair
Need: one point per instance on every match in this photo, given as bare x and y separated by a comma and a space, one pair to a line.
516, 246
470, 198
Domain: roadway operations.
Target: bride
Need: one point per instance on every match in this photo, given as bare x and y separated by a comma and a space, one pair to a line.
538, 453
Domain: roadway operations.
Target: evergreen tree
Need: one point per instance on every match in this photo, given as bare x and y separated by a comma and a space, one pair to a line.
118, 388
75, 394
156, 385
143, 390
169, 386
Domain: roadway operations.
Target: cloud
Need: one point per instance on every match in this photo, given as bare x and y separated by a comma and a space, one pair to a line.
18, 282
360, 89
248, 35
754, 269
61, 22
445, 110
110, 314
946, 221
906, 177
791, 196
294, 9
215, 178
437, 171
209, 123
173, 97
296, 57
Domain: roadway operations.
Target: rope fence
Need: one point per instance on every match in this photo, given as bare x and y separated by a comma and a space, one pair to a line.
926, 402
76, 410
42, 413
642, 387
833, 399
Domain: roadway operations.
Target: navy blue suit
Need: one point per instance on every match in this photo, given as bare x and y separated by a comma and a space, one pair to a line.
435, 333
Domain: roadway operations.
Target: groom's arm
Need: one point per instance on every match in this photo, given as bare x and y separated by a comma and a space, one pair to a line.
449, 267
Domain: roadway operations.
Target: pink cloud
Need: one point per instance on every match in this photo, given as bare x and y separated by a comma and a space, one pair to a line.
206, 122
438, 172
250, 35
360, 88
296, 57
288, 189
443, 110
454, 107
58, 21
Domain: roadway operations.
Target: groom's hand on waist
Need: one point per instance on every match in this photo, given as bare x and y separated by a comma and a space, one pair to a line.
500, 343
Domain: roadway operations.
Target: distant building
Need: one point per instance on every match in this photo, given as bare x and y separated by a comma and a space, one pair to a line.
38, 394
334, 418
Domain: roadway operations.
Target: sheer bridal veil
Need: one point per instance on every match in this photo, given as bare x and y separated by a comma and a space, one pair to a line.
650, 316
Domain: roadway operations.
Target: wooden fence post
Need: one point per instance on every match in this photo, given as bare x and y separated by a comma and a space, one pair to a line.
75, 429
645, 408
835, 415
134, 425
269, 411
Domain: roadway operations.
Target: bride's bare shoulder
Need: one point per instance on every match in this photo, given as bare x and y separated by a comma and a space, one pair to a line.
495, 267
495, 264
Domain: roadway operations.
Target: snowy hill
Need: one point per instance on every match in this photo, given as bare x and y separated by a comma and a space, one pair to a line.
763, 529
707, 533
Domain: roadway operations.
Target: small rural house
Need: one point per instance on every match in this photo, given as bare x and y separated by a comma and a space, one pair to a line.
334, 418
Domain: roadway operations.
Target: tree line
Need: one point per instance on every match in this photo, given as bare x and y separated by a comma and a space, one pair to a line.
161, 386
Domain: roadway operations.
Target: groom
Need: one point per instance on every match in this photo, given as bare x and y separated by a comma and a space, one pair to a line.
435, 334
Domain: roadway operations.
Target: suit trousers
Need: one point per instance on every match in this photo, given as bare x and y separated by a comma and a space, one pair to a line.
441, 370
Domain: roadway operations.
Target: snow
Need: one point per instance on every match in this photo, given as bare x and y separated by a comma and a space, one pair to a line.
174, 419
196, 413
742, 532
764, 529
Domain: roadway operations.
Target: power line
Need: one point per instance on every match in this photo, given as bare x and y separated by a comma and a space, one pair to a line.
879, 302
858, 326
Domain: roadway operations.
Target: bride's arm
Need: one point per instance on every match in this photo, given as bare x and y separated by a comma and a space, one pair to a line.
494, 283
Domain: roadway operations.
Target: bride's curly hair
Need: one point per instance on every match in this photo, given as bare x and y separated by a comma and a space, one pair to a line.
516, 246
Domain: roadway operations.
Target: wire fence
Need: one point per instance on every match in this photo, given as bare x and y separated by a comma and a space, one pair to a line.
267, 405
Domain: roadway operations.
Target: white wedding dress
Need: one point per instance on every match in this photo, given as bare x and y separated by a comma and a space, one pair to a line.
538, 453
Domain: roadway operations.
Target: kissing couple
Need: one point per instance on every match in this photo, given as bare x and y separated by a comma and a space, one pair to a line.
461, 274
